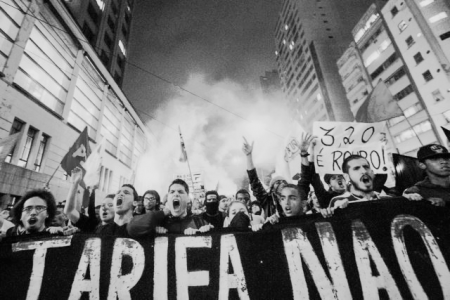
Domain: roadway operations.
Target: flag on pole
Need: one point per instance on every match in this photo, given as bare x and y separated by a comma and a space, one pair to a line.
7, 144
183, 156
93, 165
379, 106
78, 153
447, 133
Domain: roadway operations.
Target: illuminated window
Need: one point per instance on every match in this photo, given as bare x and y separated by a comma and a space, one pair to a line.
101, 4
425, 2
438, 17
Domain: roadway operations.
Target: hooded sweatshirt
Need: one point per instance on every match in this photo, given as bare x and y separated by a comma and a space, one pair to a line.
427, 190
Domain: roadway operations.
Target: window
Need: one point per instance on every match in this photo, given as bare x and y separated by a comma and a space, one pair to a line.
90, 36
403, 93
104, 58
394, 11
92, 13
117, 78
427, 76
27, 148
108, 40
40, 155
111, 24
424, 3
418, 57
438, 17
121, 61
445, 36
437, 96
412, 110
402, 25
410, 133
17, 126
409, 41
396, 76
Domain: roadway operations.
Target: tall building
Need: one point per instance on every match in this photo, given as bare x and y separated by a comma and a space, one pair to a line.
106, 24
52, 86
270, 82
391, 46
310, 36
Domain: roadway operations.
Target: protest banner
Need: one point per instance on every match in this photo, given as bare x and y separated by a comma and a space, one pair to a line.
338, 140
386, 249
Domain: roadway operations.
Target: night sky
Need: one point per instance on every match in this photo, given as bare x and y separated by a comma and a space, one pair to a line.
223, 39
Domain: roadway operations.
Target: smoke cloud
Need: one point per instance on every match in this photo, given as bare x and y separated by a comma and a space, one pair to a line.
212, 135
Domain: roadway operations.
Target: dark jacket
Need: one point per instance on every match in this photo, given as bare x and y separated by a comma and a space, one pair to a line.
309, 176
268, 203
429, 190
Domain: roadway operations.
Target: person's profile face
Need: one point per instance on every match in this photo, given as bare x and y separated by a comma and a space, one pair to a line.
106, 212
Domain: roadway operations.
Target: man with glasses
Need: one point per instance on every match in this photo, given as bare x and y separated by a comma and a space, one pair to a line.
434, 159
151, 201
269, 200
33, 213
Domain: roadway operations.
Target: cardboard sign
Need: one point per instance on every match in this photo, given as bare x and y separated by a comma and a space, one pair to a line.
388, 249
338, 140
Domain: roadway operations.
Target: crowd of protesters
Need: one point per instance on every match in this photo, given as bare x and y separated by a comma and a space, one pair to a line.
126, 214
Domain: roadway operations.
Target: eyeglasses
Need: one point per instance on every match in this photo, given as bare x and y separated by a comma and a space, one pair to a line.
150, 199
38, 208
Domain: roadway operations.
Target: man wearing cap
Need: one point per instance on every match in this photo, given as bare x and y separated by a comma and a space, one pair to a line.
434, 159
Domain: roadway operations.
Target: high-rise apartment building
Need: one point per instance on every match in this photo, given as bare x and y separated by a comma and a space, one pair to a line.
106, 24
310, 36
391, 46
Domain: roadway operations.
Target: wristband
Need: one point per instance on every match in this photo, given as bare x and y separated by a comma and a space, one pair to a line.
306, 154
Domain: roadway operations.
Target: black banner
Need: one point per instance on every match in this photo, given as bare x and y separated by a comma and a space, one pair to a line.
387, 249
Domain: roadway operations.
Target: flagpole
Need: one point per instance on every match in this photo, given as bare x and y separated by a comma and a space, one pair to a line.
412, 128
187, 158
47, 185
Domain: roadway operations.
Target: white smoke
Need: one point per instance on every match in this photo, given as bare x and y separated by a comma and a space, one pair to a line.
212, 135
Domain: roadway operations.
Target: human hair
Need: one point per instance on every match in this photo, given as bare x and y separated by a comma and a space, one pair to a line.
42, 194
234, 202
154, 193
222, 197
349, 159
180, 182
212, 193
295, 187
135, 194
242, 191
327, 178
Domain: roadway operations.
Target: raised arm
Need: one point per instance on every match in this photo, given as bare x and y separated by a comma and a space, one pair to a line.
70, 208
248, 149
257, 188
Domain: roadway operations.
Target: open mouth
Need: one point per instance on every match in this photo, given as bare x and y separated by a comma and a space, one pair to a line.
32, 221
119, 201
105, 214
366, 179
176, 204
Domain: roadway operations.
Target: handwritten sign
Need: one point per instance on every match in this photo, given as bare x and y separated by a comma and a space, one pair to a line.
338, 140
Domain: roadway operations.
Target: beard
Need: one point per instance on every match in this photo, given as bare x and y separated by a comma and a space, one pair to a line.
363, 184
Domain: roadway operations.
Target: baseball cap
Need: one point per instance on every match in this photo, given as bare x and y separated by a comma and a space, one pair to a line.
431, 151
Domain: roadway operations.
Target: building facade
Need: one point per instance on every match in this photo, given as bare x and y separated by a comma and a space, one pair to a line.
309, 37
384, 42
52, 86
106, 25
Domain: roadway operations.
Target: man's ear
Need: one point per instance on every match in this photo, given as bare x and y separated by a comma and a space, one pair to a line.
347, 178
422, 165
